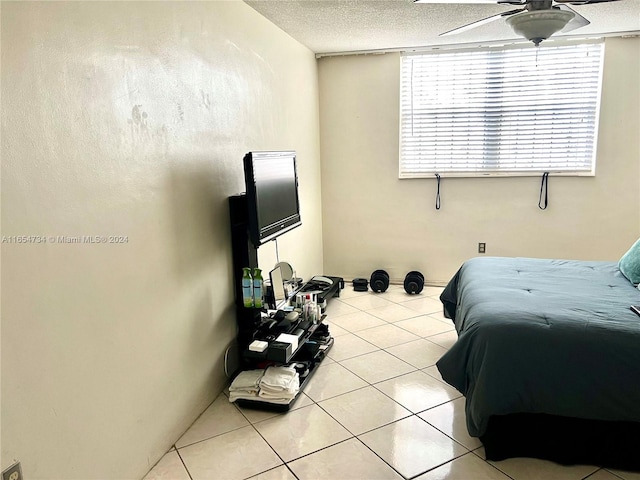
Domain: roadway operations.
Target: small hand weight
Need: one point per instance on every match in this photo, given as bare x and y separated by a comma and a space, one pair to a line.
413, 282
360, 285
379, 281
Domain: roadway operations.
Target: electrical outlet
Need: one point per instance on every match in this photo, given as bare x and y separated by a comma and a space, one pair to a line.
482, 247
14, 472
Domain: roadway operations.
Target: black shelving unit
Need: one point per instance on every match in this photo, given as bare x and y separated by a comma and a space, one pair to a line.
245, 254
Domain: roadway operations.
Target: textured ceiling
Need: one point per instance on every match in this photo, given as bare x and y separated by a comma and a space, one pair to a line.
333, 26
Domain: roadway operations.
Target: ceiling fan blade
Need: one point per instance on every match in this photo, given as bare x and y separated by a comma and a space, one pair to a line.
576, 22
484, 21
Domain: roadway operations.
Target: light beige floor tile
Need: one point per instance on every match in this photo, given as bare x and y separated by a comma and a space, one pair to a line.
467, 467
255, 415
434, 372
349, 460
386, 335
221, 417
332, 380
480, 452
625, 475
450, 419
354, 322
398, 295
348, 291
235, 455
393, 313
412, 446
364, 410
446, 339
348, 346
424, 305
440, 316
335, 330
225, 446
417, 391
377, 366
419, 353
368, 302
302, 401
336, 308
535, 469
169, 467
424, 326
326, 361
278, 473
432, 291
301, 432
602, 475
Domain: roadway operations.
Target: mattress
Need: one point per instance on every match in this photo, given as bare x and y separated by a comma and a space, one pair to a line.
543, 336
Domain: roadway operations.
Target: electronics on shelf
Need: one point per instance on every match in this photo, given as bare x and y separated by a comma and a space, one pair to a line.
272, 194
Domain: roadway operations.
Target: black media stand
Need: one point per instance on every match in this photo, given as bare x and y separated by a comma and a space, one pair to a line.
314, 340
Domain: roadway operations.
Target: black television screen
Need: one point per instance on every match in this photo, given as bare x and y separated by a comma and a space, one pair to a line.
272, 194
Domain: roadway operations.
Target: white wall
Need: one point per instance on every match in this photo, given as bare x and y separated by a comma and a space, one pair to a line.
131, 119
373, 220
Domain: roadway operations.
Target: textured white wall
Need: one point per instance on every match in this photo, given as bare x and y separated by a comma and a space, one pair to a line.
373, 220
131, 119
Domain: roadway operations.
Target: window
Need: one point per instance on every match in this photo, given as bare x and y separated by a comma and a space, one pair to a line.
500, 111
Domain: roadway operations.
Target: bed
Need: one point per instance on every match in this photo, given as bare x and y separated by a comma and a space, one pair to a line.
548, 359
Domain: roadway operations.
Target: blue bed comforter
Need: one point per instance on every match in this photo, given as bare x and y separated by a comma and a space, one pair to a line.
543, 336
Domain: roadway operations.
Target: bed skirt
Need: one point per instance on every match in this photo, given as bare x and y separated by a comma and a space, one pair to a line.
564, 440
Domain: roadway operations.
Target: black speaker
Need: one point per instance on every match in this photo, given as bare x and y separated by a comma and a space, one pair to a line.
413, 282
379, 281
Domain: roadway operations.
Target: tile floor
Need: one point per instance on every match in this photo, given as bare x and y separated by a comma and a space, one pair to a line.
376, 408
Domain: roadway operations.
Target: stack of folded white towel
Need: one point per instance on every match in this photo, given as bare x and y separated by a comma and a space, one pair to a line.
279, 385
246, 385
274, 385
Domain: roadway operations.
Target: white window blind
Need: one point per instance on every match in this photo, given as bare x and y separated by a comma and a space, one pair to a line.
517, 111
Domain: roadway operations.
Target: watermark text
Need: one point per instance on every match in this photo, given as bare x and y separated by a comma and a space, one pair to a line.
64, 239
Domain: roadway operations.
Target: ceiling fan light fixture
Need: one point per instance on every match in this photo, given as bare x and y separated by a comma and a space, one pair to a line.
538, 25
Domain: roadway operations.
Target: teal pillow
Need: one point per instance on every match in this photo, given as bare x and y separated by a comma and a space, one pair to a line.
629, 264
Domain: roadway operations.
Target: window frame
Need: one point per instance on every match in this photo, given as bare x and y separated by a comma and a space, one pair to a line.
403, 173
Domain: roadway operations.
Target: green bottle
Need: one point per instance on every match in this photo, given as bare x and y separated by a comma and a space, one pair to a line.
247, 288
258, 288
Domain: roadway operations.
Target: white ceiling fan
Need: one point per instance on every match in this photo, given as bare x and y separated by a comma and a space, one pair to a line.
536, 21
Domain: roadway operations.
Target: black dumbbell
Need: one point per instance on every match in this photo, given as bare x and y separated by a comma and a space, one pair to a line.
379, 281
413, 282
360, 285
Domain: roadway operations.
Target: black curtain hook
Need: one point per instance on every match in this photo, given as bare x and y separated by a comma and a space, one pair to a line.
544, 185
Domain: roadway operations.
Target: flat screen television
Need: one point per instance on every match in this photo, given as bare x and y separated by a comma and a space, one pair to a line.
272, 194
